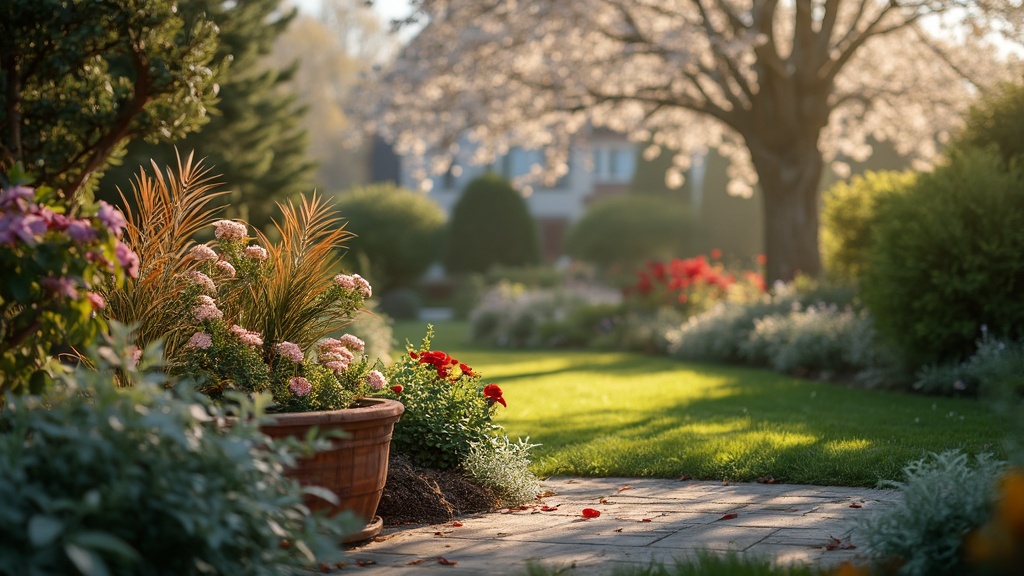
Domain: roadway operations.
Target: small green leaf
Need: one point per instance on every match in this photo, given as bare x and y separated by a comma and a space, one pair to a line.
104, 542
88, 562
43, 530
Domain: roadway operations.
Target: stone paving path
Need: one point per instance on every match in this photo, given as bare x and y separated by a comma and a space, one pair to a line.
641, 521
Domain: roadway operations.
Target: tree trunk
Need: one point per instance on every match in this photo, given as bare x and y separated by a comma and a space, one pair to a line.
790, 178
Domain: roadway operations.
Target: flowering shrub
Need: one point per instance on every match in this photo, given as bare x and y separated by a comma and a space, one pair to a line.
693, 284
55, 260
447, 407
221, 354
240, 312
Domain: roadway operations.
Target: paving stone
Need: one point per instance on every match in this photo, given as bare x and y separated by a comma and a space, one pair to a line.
654, 520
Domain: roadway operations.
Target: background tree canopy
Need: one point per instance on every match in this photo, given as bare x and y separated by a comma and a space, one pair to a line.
254, 139
79, 79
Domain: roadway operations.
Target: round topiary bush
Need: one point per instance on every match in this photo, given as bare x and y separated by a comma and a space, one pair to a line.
629, 230
847, 213
491, 225
398, 233
947, 257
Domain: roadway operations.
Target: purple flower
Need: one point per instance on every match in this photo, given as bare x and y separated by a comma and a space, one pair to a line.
111, 218
28, 228
81, 231
128, 259
19, 194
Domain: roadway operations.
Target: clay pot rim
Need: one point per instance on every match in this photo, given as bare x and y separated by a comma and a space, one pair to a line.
366, 408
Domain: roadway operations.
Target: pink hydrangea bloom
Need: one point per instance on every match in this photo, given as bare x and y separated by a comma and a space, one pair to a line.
363, 285
256, 252
247, 337
203, 280
200, 340
205, 312
351, 342
111, 218
202, 253
327, 344
229, 230
345, 281
290, 351
338, 353
226, 268
376, 380
299, 386
204, 300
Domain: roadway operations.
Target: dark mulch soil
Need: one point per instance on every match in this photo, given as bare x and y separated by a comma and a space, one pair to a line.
416, 495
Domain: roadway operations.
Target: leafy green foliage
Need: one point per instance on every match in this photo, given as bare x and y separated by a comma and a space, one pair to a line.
489, 226
944, 496
53, 261
847, 215
398, 233
628, 230
997, 121
995, 370
255, 137
96, 480
80, 79
445, 407
504, 467
948, 257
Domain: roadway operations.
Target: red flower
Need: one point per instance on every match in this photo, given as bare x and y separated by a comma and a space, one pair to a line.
413, 355
762, 259
591, 513
493, 394
397, 388
716, 253
466, 370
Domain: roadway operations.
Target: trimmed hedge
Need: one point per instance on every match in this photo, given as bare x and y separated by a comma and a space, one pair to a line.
490, 226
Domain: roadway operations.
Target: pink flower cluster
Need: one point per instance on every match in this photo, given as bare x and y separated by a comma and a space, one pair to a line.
352, 343
354, 282
229, 230
226, 268
206, 309
197, 277
334, 355
376, 380
202, 253
200, 340
299, 386
247, 337
256, 252
290, 351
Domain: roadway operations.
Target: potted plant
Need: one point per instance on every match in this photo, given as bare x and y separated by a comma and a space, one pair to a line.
246, 314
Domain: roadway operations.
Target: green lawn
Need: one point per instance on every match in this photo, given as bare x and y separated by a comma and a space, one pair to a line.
618, 414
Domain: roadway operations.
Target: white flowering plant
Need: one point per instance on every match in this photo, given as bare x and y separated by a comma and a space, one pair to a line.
244, 313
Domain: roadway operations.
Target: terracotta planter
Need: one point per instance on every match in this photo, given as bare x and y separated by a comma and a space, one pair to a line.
355, 467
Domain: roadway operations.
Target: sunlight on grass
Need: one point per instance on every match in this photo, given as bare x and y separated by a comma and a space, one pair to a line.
618, 414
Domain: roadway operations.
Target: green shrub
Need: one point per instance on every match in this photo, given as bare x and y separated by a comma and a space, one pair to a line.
997, 121
97, 480
625, 231
504, 467
948, 257
401, 303
847, 213
491, 225
944, 497
996, 370
398, 233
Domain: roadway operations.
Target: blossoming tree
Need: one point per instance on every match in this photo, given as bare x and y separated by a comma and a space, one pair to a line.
782, 88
